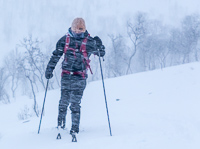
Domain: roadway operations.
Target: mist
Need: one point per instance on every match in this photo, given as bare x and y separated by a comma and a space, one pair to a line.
49, 19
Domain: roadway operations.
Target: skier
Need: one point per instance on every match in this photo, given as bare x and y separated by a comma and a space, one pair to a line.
77, 45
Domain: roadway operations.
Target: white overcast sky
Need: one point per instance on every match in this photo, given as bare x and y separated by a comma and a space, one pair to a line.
50, 19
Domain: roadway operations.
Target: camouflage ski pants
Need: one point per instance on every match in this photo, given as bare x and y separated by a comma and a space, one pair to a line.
72, 87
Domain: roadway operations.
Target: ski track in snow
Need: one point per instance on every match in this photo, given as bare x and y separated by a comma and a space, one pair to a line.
156, 110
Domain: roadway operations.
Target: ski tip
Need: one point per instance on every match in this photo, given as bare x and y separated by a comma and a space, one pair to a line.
58, 136
74, 139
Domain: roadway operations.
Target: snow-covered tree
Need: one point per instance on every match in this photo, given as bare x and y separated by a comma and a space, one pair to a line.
4, 97
11, 63
117, 58
32, 65
136, 31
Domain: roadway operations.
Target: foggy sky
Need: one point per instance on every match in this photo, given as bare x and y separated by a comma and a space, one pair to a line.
50, 19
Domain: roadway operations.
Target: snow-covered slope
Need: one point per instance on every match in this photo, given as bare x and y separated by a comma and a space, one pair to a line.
150, 110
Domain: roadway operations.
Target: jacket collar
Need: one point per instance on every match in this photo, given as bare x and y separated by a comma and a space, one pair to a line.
71, 35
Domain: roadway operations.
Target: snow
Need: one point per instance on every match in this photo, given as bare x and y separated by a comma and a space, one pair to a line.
149, 110
48, 20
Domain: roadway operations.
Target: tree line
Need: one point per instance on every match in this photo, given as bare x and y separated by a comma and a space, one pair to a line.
147, 45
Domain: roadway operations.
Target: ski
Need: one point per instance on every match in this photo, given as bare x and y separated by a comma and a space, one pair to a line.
72, 133
74, 137
58, 136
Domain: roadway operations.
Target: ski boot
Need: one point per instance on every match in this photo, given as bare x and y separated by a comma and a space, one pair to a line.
73, 133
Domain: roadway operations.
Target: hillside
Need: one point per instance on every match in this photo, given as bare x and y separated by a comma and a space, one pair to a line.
150, 110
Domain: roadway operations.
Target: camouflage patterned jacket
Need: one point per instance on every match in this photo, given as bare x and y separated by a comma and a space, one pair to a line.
73, 61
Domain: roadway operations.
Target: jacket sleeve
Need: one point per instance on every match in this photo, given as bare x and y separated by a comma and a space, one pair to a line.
57, 53
94, 49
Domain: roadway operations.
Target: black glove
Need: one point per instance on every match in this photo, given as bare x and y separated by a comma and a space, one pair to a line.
102, 50
99, 46
98, 41
49, 73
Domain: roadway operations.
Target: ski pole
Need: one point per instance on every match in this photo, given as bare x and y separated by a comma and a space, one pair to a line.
43, 106
104, 93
